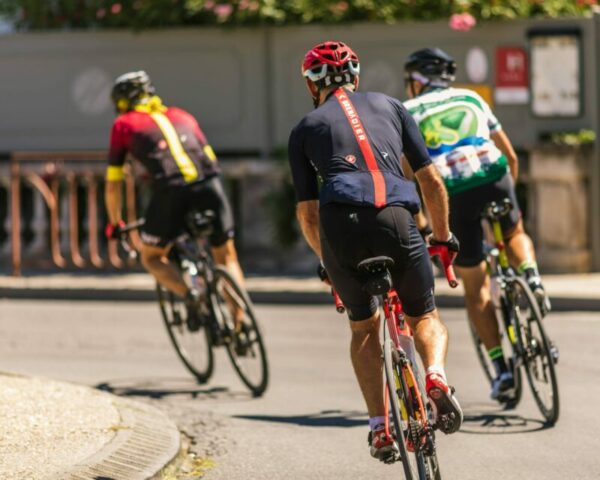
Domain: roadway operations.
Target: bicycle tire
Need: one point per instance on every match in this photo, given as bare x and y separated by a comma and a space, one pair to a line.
224, 284
482, 354
390, 382
178, 331
534, 347
427, 465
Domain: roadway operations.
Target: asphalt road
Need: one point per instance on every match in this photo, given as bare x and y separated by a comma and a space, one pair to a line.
311, 423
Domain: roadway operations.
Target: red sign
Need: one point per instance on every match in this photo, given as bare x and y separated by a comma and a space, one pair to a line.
511, 67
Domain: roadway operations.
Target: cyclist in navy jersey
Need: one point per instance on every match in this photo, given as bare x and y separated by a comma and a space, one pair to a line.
353, 203
173, 149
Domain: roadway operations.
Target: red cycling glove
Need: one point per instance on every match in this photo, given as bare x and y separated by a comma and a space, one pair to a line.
113, 231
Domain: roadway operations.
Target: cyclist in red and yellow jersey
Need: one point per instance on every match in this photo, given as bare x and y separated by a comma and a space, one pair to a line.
173, 148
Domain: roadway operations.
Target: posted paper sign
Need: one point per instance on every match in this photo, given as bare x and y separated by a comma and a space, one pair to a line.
555, 75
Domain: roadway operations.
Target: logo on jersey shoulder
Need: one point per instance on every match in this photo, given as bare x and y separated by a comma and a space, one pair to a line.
350, 159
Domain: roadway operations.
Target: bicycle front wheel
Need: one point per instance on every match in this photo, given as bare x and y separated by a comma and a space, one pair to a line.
245, 346
535, 350
193, 347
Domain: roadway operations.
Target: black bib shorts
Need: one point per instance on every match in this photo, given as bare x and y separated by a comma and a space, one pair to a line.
165, 215
465, 217
350, 234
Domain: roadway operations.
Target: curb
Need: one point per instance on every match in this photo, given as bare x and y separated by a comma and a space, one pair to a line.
145, 443
277, 297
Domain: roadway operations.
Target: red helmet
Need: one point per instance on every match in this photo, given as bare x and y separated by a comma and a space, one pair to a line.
329, 57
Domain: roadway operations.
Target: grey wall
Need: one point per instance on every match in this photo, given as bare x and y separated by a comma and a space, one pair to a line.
382, 50
54, 87
242, 84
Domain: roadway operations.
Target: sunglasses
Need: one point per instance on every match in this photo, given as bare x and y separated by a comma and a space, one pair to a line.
320, 71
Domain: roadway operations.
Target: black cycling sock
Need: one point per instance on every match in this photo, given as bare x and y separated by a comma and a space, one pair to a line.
497, 358
500, 366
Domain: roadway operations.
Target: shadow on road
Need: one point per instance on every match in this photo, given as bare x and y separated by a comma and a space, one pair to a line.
486, 421
158, 388
326, 418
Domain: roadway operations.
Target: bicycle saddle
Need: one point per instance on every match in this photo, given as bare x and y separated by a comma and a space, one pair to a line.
494, 210
379, 280
200, 223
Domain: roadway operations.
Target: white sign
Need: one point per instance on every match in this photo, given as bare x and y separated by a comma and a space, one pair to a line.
477, 65
91, 91
555, 75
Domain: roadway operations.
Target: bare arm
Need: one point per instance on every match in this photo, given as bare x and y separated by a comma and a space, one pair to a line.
436, 200
113, 199
307, 213
505, 146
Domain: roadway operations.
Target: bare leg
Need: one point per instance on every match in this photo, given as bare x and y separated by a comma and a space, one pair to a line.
519, 246
226, 256
431, 338
479, 304
365, 352
154, 259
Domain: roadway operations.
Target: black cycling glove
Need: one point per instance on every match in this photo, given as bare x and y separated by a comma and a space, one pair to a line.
322, 273
425, 232
452, 243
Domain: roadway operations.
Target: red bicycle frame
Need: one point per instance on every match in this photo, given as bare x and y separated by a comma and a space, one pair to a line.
397, 327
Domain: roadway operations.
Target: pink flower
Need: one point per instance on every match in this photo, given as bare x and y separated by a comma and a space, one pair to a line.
462, 22
209, 5
253, 6
341, 6
116, 8
100, 13
223, 11
243, 5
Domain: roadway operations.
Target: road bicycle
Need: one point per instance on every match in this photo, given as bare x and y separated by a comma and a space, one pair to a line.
405, 397
520, 323
224, 305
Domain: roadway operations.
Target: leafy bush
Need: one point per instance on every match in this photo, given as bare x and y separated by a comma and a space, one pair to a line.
138, 14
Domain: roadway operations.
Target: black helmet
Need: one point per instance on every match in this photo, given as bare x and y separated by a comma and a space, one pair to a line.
434, 64
129, 88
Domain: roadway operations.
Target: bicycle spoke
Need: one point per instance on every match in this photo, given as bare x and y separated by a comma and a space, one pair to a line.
535, 350
194, 347
245, 346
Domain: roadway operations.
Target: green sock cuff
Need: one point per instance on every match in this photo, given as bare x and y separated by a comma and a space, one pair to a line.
495, 352
526, 265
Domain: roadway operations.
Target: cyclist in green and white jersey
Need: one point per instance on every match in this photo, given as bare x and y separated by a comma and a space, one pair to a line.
478, 164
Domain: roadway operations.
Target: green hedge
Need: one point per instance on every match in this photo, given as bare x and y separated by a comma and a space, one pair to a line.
139, 14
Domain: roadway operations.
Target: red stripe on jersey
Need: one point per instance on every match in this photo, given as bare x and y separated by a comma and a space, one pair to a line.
365, 146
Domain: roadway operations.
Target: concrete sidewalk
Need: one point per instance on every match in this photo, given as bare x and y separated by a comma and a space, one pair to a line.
567, 292
55, 430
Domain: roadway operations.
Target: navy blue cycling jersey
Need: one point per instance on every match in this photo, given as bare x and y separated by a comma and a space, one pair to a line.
325, 144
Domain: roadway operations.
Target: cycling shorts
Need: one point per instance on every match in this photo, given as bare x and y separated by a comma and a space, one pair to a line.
165, 215
350, 234
465, 217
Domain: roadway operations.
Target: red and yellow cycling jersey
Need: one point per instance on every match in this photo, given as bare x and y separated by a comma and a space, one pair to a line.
167, 141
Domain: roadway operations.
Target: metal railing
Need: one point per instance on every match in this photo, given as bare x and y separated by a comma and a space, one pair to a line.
55, 213
58, 180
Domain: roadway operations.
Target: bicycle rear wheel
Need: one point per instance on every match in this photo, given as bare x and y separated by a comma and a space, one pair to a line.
246, 349
396, 394
422, 465
535, 350
509, 352
194, 348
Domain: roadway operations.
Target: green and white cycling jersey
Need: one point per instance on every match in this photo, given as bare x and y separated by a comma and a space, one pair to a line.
456, 124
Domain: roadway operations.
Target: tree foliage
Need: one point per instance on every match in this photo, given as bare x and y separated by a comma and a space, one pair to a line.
138, 14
